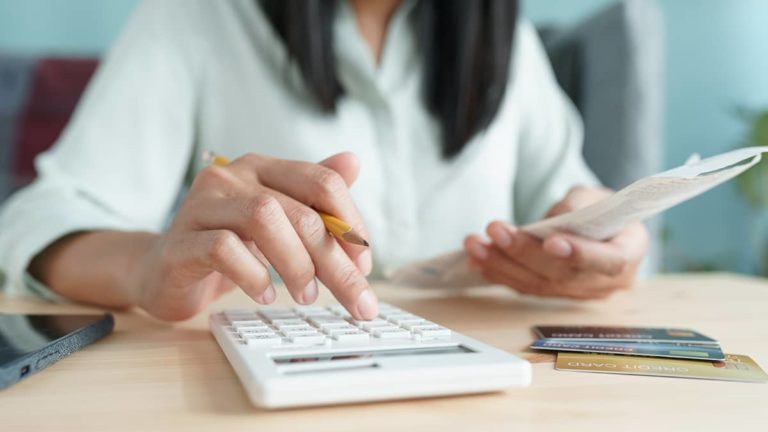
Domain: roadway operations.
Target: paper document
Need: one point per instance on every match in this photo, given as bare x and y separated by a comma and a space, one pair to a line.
604, 219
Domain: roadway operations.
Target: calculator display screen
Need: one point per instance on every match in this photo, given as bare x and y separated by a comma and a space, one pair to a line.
371, 354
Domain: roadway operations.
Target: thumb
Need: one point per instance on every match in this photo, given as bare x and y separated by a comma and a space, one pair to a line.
346, 164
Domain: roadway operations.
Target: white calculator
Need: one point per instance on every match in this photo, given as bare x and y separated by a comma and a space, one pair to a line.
313, 355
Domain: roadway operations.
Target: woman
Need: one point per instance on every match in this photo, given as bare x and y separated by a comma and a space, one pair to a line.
443, 114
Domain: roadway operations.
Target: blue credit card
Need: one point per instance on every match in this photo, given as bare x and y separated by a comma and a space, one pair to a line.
623, 334
648, 349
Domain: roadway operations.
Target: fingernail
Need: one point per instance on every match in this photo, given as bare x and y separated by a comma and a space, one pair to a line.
365, 262
268, 296
309, 295
501, 236
560, 247
477, 250
367, 305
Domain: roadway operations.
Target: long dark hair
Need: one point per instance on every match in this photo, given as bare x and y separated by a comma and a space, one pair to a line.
466, 46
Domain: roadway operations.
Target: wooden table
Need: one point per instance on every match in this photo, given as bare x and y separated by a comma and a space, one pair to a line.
150, 375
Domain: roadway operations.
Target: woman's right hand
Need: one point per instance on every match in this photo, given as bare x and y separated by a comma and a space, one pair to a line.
257, 212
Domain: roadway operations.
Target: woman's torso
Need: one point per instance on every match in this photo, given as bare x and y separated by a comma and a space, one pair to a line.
416, 203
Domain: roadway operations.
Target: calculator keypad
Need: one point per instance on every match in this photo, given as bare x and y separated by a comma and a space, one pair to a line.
317, 325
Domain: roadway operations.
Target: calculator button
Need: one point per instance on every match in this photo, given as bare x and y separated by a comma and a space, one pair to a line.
241, 317
388, 327
349, 328
255, 331
300, 331
296, 328
307, 339
319, 321
391, 333
280, 321
263, 340
333, 330
310, 310
332, 323
367, 325
434, 333
388, 314
350, 336
401, 314
339, 310
324, 316
390, 310
417, 324
248, 323
289, 321
281, 317
423, 326
337, 326
280, 314
404, 319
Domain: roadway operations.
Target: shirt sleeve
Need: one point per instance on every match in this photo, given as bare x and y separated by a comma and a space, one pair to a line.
123, 157
550, 160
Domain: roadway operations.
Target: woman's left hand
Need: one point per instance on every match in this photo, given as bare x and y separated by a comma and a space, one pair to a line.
562, 265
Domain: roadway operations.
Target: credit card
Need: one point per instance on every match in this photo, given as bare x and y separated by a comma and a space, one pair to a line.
735, 367
623, 334
651, 349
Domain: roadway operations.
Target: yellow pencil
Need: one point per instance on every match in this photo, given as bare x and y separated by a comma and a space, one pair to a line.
337, 227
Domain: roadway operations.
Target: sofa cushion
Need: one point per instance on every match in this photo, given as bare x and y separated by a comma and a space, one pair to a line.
37, 98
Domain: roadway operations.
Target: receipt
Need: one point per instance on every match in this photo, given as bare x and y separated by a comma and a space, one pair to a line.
602, 220
649, 196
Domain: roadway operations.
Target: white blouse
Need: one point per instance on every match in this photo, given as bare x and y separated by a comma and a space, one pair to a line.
190, 75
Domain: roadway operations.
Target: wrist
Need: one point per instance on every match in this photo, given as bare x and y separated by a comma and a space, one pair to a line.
137, 267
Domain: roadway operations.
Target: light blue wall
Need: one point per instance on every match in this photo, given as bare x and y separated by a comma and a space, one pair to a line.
61, 26
716, 59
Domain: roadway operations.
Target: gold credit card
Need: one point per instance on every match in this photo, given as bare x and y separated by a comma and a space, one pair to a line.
734, 368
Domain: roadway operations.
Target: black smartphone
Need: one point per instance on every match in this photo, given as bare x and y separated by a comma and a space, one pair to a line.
29, 343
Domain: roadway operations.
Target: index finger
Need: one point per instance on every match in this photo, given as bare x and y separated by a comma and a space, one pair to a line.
318, 187
332, 265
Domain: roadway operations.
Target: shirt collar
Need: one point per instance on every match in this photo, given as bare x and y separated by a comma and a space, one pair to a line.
355, 64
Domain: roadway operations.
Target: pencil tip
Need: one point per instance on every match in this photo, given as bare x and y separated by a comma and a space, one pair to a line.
355, 238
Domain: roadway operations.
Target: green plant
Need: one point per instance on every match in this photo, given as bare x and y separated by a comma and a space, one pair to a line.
753, 186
